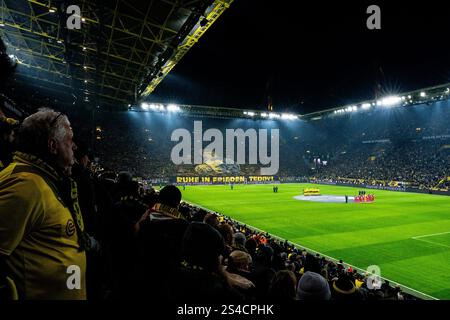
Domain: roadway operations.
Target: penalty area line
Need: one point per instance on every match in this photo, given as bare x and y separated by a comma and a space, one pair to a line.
429, 235
432, 242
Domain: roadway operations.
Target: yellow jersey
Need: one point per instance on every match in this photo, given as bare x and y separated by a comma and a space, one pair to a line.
38, 239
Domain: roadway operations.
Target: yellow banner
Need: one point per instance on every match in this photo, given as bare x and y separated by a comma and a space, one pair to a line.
224, 179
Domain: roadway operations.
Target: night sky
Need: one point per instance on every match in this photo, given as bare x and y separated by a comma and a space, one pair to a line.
312, 55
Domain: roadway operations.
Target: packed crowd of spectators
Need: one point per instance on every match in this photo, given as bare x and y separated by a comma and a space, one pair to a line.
129, 241
205, 256
420, 165
344, 147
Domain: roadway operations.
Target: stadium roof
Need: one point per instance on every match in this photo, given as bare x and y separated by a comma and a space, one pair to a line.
405, 99
122, 51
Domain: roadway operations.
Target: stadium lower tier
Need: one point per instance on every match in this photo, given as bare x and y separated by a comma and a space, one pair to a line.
406, 235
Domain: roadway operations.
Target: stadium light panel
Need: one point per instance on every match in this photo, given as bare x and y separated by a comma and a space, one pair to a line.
173, 108
423, 94
274, 115
250, 113
354, 108
389, 101
264, 115
145, 106
287, 116
366, 106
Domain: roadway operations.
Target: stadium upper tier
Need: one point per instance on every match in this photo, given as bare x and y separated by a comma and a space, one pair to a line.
403, 144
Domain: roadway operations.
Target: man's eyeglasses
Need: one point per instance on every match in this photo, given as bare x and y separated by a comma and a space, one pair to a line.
56, 119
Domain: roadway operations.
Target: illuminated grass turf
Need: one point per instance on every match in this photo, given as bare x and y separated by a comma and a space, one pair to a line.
406, 234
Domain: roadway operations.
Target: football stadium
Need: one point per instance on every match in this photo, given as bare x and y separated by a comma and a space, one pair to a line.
152, 150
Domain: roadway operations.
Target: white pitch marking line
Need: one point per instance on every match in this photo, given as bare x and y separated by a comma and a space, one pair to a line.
435, 243
430, 235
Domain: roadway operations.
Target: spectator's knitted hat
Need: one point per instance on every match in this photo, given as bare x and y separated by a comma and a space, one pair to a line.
202, 245
239, 238
312, 286
170, 196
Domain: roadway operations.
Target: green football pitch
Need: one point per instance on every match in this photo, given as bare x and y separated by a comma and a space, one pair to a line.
407, 235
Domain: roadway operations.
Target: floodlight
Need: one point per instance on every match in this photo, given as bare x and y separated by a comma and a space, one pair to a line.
144, 106
390, 101
274, 115
366, 106
173, 108
287, 116
265, 115
423, 94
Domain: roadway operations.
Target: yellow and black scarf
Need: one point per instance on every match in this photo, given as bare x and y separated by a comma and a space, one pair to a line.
64, 188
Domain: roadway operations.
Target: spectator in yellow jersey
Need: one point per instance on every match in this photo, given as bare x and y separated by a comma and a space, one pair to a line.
42, 238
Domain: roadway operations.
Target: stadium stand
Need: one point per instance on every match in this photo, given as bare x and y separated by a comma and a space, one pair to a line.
143, 243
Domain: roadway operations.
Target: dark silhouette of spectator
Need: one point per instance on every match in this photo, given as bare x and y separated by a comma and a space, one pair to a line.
313, 286
283, 287
239, 241
239, 263
201, 276
212, 220
311, 264
344, 289
227, 233
263, 272
159, 240
121, 236
251, 246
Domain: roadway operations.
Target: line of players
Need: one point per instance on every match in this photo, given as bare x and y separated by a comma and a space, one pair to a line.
363, 197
